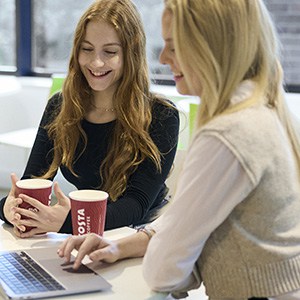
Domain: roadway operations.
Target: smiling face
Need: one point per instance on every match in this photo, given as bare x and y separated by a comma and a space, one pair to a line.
168, 55
101, 57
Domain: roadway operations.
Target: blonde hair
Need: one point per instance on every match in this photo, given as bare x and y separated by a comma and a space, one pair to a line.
220, 43
131, 143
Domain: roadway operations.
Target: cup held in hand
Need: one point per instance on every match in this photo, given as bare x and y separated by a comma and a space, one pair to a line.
88, 209
37, 188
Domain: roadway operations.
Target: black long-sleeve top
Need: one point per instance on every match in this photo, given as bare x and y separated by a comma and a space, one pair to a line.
145, 188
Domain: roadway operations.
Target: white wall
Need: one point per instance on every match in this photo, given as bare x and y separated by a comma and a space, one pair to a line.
21, 101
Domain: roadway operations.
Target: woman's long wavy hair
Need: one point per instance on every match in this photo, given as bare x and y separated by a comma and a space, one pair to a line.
220, 43
131, 142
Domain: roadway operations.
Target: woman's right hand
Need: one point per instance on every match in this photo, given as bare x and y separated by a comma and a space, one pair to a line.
11, 202
101, 249
93, 245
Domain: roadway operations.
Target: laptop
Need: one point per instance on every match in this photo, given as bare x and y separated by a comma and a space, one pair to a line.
41, 273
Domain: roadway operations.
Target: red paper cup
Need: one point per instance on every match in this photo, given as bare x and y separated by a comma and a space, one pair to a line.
39, 189
88, 209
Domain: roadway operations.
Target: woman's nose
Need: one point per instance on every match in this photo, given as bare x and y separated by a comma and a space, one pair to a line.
97, 62
163, 57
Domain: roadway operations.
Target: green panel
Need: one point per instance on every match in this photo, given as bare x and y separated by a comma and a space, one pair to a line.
192, 117
57, 83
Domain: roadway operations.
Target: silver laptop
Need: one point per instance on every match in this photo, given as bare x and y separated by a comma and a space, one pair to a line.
40, 273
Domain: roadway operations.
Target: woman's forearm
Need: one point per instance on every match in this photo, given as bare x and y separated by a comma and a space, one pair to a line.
134, 245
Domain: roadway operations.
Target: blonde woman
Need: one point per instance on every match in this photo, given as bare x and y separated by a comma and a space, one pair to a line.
234, 223
105, 130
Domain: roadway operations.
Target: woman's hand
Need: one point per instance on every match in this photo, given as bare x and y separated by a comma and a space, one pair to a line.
93, 245
101, 249
45, 218
12, 201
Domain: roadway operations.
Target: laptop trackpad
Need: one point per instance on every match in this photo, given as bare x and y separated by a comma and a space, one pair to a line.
69, 277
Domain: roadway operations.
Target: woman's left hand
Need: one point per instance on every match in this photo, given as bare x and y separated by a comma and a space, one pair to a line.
45, 218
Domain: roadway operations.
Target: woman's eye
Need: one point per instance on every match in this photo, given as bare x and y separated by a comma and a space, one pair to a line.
86, 49
110, 52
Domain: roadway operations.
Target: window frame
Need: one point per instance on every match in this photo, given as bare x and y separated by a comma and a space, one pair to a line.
24, 37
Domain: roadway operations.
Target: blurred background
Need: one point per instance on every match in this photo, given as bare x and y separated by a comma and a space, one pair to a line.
36, 35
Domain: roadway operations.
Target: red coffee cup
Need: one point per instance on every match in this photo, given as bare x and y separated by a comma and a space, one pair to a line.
88, 210
37, 188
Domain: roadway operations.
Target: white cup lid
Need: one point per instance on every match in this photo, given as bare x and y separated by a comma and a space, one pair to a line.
88, 195
34, 183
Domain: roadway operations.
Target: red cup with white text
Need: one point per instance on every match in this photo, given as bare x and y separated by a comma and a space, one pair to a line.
88, 210
37, 188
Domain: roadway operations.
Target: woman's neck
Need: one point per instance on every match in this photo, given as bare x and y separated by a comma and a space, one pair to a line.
103, 99
97, 117
101, 109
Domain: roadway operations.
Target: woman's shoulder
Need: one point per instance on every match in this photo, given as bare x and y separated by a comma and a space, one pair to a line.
52, 108
163, 107
241, 120
55, 100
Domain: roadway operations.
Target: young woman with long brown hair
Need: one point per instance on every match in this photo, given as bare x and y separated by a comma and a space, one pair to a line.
105, 130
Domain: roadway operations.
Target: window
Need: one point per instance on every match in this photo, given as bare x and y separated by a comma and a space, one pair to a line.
53, 33
7, 36
286, 15
151, 11
45, 49
52, 44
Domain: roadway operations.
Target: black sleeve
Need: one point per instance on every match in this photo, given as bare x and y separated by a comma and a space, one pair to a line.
2, 202
40, 156
146, 183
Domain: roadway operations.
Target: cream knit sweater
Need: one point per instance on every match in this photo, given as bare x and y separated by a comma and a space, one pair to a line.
256, 250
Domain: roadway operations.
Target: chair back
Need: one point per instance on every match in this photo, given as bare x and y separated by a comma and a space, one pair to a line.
57, 83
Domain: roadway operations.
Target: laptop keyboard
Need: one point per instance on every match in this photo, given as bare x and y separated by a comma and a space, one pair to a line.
23, 275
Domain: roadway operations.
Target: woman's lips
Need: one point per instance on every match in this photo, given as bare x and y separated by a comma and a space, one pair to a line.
178, 77
99, 74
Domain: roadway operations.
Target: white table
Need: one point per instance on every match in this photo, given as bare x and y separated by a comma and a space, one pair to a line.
124, 276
